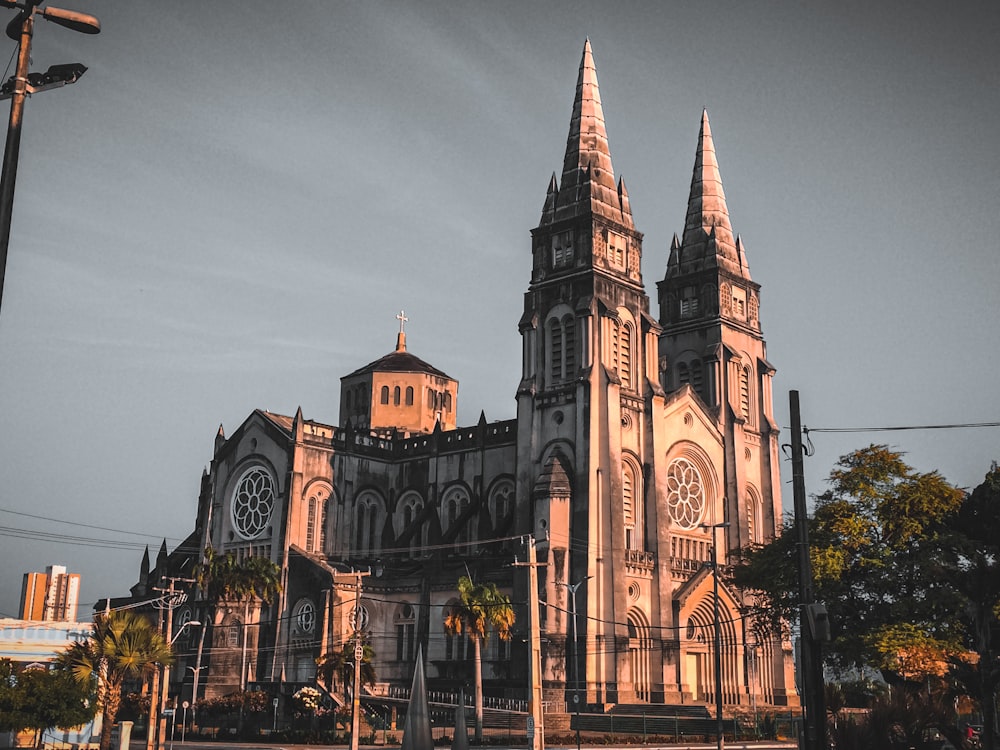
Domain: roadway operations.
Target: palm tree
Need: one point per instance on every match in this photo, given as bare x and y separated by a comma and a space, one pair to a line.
123, 646
224, 581
336, 667
482, 608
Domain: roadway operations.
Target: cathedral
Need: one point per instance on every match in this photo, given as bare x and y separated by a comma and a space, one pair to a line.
644, 452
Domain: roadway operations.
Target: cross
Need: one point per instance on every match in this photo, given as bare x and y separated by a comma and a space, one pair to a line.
402, 321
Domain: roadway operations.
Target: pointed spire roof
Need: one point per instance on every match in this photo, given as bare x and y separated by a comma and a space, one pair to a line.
708, 234
588, 178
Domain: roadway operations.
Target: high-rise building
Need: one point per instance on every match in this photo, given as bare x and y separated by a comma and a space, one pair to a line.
51, 596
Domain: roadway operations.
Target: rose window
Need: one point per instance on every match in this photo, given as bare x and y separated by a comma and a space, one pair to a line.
253, 502
685, 494
305, 616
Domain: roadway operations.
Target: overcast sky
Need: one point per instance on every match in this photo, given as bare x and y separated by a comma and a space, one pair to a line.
228, 210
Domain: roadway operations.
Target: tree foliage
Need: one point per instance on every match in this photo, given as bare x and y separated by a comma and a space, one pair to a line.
38, 698
872, 538
225, 581
969, 564
482, 608
123, 646
336, 668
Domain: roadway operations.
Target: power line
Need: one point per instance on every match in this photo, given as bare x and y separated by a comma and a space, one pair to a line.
960, 426
82, 525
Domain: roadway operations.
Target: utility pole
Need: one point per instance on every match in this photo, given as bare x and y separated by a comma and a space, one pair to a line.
359, 652
536, 728
812, 658
720, 738
172, 600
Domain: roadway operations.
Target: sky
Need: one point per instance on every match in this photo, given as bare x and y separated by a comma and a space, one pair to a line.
230, 208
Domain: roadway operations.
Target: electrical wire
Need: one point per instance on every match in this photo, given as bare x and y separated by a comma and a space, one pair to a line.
961, 426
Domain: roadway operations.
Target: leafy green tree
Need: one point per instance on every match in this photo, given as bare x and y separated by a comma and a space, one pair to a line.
482, 608
123, 646
970, 572
38, 698
874, 541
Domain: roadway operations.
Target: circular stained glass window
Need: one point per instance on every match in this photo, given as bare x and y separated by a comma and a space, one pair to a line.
685, 493
305, 616
253, 501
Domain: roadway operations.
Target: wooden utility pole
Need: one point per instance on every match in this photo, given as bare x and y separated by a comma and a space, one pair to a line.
811, 664
158, 700
359, 652
536, 727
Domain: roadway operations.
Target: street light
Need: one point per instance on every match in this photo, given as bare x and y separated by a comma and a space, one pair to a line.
572, 588
195, 671
719, 738
21, 29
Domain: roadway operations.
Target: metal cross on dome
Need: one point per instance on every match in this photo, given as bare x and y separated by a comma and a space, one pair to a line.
402, 321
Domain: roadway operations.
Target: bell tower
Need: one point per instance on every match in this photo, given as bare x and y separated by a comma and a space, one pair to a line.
589, 369
712, 340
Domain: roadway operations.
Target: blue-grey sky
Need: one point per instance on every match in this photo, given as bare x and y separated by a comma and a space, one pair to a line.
228, 210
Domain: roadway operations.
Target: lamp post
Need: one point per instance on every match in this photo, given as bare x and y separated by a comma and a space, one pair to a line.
751, 647
21, 29
719, 737
572, 588
195, 671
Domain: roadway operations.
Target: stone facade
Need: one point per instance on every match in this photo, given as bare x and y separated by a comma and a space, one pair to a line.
639, 443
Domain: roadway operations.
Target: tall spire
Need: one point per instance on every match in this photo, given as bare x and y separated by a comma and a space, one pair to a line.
708, 234
588, 178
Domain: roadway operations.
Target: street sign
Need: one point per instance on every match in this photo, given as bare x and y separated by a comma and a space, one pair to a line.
275, 703
185, 705
359, 652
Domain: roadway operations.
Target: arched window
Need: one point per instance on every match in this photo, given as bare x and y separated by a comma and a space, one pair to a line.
501, 504
234, 633
569, 347
698, 378
683, 374
454, 504
555, 351
366, 524
385, 394
322, 524
395, 396
625, 356
755, 517
409, 395
562, 349
745, 392
632, 507
456, 647
311, 525
407, 514
639, 648
405, 621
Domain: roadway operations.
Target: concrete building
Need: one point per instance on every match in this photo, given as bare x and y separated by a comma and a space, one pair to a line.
51, 596
637, 437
